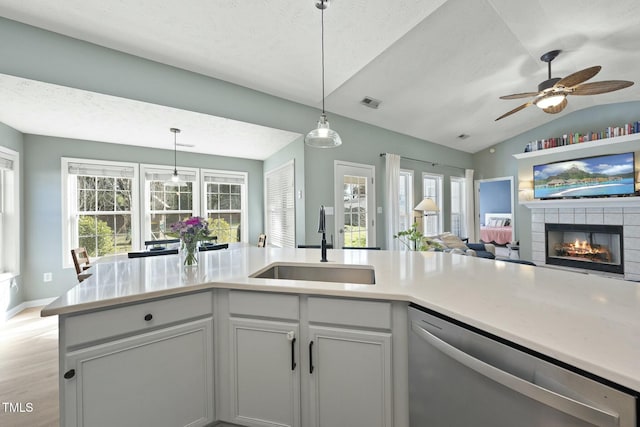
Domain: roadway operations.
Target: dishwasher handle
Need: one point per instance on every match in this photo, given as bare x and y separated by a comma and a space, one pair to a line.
547, 397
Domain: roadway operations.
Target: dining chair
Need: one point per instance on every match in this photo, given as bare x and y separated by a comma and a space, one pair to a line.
81, 262
262, 240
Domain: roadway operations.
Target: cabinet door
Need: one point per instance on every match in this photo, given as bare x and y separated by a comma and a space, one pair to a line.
350, 378
265, 379
160, 378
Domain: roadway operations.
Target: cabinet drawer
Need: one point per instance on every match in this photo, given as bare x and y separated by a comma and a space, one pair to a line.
352, 312
264, 304
133, 318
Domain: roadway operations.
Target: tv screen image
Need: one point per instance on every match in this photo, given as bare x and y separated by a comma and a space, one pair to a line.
609, 175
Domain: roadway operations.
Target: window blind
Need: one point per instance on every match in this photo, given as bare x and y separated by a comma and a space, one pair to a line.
280, 206
223, 178
96, 169
165, 175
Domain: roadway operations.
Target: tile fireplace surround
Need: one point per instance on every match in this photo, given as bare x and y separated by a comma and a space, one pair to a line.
611, 211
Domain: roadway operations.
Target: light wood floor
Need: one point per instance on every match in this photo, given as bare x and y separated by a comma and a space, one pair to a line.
29, 370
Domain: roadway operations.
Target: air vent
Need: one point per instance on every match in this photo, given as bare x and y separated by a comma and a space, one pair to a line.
367, 101
463, 136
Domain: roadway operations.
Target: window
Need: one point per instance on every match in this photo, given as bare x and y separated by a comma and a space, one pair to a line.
167, 202
432, 188
9, 212
405, 199
280, 206
225, 204
99, 207
458, 212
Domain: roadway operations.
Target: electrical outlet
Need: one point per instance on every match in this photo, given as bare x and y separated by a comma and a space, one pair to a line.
48, 277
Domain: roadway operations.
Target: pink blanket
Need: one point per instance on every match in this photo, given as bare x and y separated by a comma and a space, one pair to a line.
499, 235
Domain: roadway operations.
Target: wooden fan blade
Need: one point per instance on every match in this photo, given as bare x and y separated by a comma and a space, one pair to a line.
578, 77
515, 110
520, 95
556, 108
600, 87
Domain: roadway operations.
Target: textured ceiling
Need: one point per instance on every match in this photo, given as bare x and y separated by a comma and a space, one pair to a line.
71, 113
438, 66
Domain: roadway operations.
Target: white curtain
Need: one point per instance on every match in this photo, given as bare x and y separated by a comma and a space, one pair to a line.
392, 170
469, 206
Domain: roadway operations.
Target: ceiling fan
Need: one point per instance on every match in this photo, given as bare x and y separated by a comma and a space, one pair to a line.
552, 93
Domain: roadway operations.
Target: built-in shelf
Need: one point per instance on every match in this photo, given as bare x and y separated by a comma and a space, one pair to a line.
602, 202
579, 146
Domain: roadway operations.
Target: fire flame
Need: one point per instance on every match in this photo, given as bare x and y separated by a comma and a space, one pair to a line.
582, 245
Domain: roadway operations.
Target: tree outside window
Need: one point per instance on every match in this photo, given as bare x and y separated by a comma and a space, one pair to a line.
224, 211
104, 214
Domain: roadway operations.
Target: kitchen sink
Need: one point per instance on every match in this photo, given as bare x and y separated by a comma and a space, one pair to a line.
360, 274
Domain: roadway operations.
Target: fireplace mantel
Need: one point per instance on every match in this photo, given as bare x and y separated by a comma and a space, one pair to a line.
602, 202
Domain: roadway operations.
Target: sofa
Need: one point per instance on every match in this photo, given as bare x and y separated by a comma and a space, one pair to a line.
448, 242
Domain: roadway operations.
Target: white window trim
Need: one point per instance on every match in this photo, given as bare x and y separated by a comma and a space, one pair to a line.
10, 234
463, 213
439, 197
69, 231
244, 198
410, 202
145, 191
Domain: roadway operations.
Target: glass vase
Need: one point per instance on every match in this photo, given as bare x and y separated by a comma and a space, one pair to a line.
190, 254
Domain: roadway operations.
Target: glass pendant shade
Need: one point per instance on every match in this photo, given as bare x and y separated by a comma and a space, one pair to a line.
323, 136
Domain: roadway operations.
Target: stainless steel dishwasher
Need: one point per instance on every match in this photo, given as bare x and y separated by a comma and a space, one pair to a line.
461, 377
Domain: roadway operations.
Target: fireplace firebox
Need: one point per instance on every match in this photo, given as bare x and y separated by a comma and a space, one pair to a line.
586, 246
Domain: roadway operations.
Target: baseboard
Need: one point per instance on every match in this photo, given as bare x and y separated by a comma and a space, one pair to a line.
27, 304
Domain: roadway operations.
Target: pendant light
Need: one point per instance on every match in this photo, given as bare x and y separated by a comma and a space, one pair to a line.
323, 136
175, 177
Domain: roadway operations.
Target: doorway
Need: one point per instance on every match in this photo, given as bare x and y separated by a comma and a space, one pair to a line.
355, 204
495, 221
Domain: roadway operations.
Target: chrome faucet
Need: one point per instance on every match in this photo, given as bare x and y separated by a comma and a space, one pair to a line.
322, 229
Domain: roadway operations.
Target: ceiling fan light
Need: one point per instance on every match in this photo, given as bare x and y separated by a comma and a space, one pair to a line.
550, 100
323, 136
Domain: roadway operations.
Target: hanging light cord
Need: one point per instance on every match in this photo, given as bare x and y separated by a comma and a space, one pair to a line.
322, 48
175, 158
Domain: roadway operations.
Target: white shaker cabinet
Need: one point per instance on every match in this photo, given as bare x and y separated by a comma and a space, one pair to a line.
265, 382
143, 364
160, 378
350, 378
350, 368
337, 371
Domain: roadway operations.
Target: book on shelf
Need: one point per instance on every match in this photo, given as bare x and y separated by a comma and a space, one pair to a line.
577, 138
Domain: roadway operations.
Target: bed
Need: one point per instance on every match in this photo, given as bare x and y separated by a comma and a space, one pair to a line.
497, 228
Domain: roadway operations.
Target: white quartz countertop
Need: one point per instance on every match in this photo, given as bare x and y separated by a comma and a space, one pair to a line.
587, 321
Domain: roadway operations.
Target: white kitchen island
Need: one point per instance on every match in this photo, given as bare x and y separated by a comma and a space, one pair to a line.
214, 331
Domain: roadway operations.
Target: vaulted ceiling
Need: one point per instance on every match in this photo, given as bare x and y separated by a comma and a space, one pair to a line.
438, 66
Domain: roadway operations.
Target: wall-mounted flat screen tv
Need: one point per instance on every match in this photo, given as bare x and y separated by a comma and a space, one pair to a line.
600, 176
